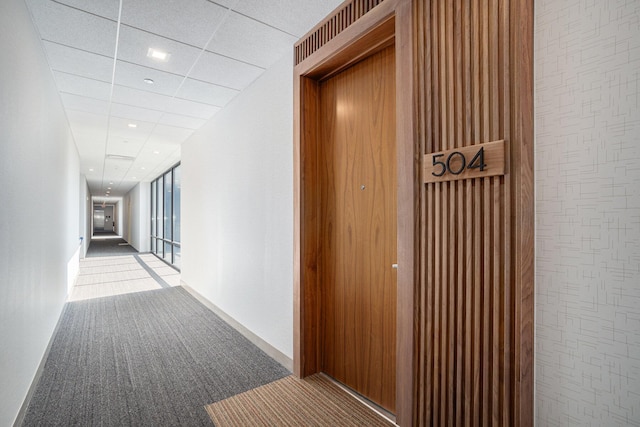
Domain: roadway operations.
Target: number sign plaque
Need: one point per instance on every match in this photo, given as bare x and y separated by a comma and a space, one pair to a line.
474, 161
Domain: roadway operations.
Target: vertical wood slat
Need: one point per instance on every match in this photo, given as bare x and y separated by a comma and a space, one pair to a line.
468, 222
458, 402
434, 105
486, 303
455, 44
467, 353
437, 304
332, 26
477, 245
424, 370
507, 385
496, 203
451, 285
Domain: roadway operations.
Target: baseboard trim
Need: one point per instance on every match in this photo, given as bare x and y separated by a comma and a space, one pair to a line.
270, 350
36, 378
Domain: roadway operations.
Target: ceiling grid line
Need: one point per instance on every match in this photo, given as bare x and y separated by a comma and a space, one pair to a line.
190, 69
217, 49
146, 67
257, 20
113, 79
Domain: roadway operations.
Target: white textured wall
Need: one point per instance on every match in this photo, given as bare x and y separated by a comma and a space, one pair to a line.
136, 217
84, 228
39, 215
237, 208
587, 93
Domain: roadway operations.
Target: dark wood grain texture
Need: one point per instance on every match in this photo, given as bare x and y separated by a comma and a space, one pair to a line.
358, 227
352, 33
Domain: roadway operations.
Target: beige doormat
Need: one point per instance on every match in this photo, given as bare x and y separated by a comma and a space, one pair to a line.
313, 401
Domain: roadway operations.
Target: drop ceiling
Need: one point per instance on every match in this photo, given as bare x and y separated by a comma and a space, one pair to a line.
127, 130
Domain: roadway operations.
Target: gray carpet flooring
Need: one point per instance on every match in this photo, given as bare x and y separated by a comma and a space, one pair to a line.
109, 247
152, 358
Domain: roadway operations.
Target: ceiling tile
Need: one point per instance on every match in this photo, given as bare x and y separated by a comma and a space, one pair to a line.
168, 160
79, 38
143, 99
76, 85
293, 16
119, 127
105, 8
142, 165
82, 103
190, 22
93, 161
121, 147
87, 147
68, 26
152, 147
182, 121
223, 71
140, 98
157, 157
116, 170
195, 90
170, 134
89, 132
79, 62
134, 45
227, 3
250, 41
136, 114
192, 109
84, 121
132, 75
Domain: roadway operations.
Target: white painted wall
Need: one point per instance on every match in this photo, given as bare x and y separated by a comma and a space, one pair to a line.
137, 217
40, 175
118, 218
587, 111
85, 213
237, 208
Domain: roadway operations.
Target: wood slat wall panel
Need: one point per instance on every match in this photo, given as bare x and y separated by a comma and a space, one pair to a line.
331, 27
467, 350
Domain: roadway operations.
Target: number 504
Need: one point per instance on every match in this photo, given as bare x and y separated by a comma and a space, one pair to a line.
473, 161
456, 163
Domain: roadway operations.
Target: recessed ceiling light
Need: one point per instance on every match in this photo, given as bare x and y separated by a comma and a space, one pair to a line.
157, 54
108, 188
149, 81
156, 152
132, 125
134, 177
111, 183
142, 168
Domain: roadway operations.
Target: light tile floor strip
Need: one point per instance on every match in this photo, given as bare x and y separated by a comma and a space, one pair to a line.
117, 275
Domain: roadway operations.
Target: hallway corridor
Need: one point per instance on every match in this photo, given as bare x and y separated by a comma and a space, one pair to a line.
134, 348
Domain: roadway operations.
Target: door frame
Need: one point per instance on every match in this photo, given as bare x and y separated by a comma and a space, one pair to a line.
390, 22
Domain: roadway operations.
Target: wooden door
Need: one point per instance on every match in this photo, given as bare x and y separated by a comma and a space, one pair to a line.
358, 227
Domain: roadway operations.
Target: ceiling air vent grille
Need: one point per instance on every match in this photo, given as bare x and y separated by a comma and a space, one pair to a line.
331, 27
